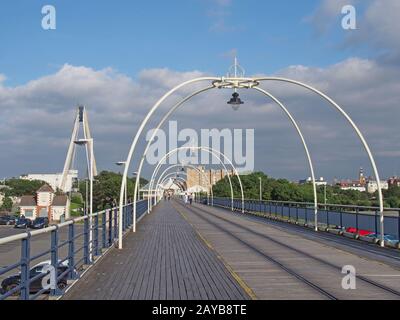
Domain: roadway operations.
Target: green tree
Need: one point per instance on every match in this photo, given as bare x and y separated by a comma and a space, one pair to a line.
106, 189
7, 203
284, 190
20, 187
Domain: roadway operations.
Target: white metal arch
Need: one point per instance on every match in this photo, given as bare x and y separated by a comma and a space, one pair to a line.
310, 163
162, 121
169, 176
180, 188
238, 83
358, 132
198, 170
213, 152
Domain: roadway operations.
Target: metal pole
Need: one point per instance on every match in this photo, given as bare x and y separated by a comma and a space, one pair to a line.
260, 189
91, 201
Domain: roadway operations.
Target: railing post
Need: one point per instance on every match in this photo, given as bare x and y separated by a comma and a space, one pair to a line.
86, 256
115, 224
124, 218
96, 235
25, 268
110, 228
71, 251
357, 220
327, 216
103, 229
54, 260
306, 214
398, 225
341, 218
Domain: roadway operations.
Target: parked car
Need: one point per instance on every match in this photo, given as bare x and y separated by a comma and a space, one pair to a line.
7, 220
361, 232
13, 281
23, 223
386, 237
40, 223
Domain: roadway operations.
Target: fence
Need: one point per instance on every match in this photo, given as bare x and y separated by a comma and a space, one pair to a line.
70, 247
329, 215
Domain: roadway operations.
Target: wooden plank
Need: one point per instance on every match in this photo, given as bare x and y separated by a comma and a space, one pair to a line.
164, 259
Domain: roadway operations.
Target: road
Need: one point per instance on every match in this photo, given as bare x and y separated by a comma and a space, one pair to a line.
10, 253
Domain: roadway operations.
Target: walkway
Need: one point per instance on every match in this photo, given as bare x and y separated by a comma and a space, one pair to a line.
164, 259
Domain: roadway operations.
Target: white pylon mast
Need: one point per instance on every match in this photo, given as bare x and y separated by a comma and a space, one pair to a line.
81, 118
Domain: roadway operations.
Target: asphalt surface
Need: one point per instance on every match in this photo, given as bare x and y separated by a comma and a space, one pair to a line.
10, 253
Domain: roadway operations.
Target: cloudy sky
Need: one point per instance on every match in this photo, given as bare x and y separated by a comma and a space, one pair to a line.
119, 57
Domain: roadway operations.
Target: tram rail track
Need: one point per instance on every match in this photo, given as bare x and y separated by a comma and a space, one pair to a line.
289, 270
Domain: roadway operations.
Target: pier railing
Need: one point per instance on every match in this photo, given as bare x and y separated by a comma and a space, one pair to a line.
69, 248
334, 216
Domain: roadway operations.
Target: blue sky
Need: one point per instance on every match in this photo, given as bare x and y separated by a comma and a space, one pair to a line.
118, 57
181, 35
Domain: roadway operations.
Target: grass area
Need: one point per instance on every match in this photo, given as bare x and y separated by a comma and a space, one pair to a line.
75, 209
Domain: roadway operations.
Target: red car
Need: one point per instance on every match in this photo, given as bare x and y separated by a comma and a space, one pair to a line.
361, 232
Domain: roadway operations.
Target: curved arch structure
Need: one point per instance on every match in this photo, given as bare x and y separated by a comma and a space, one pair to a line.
235, 83
213, 152
170, 176
310, 163
198, 170
357, 131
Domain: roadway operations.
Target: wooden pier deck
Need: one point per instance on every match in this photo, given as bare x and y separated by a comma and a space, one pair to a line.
183, 252
164, 260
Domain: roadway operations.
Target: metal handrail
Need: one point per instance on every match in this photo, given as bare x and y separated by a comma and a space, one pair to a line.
334, 216
319, 204
105, 235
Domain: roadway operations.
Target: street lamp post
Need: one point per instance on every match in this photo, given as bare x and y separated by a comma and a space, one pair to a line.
260, 188
123, 163
89, 142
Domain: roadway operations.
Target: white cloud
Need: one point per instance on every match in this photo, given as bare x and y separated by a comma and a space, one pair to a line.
327, 13
377, 24
36, 118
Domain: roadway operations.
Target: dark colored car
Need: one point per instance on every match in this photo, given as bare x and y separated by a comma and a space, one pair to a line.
7, 220
36, 285
40, 223
23, 223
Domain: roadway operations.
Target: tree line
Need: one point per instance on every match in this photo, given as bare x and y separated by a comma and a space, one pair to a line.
284, 190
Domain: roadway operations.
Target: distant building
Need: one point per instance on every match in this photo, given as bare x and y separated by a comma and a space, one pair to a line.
201, 179
319, 182
45, 204
352, 186
372, 186
394, 182
54, 180
357, 185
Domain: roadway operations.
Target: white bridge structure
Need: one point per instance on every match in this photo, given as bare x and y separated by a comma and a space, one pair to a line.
81, 121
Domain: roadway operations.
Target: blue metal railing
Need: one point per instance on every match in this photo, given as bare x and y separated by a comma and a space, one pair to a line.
329, 215
78, 250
